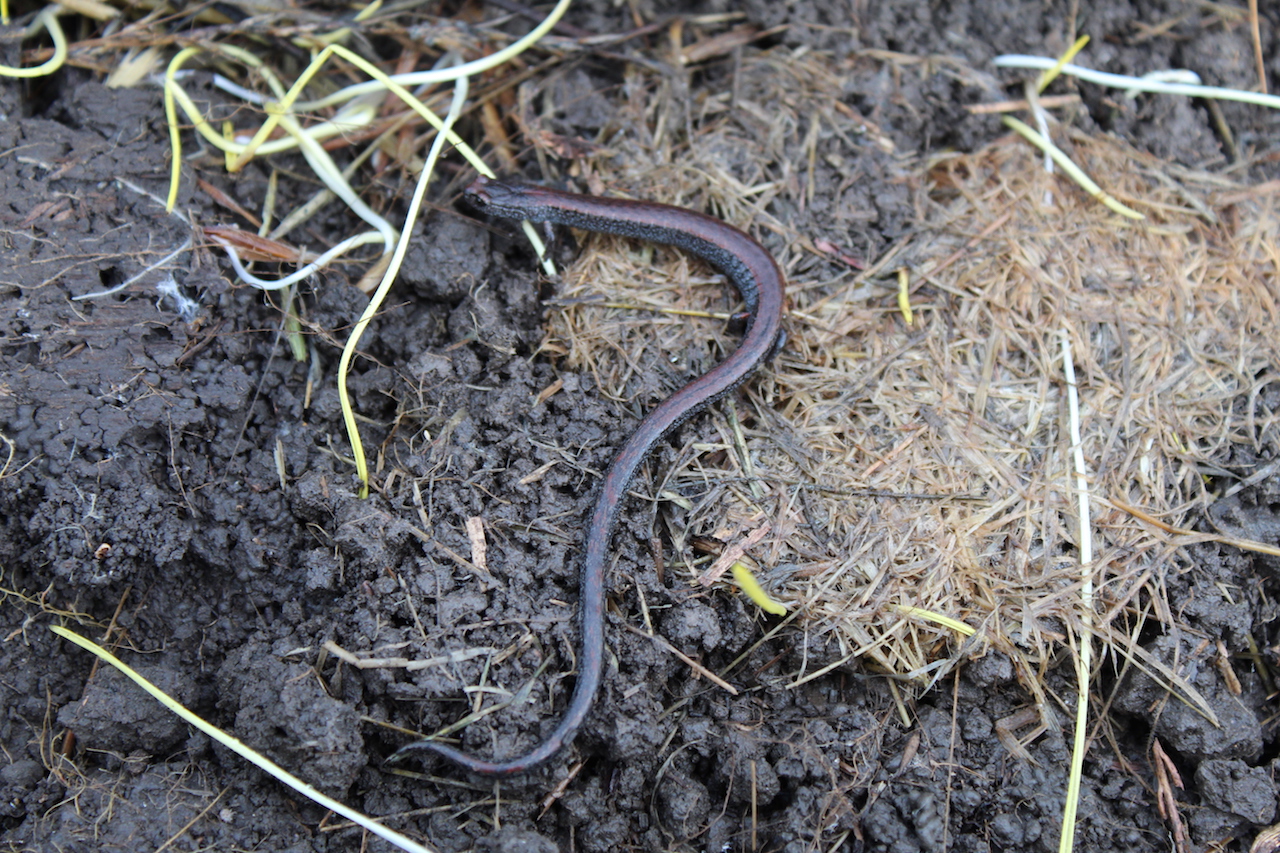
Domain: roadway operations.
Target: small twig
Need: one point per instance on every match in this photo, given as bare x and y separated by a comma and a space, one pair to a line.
1242, 544
732, 554
1257, 45
183, 830
693, 664
1018, 106
1167, 777
405, 663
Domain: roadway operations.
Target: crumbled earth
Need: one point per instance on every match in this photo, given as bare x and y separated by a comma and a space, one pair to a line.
178, 483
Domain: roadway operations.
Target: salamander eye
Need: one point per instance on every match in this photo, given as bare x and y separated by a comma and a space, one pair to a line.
480, 202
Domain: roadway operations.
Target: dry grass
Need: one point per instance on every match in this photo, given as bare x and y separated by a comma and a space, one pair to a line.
928, 466
1172, 325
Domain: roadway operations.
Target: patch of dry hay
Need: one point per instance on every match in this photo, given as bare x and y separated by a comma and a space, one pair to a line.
1172, 324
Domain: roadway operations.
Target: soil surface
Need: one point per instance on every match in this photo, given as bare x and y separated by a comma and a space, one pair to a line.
180, 484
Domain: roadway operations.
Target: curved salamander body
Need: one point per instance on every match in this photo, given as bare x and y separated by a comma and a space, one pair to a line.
755, 274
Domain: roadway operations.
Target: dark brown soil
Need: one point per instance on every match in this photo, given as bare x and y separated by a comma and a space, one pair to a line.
164, 439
